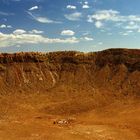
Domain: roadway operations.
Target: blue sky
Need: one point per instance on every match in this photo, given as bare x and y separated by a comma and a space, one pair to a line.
82, 25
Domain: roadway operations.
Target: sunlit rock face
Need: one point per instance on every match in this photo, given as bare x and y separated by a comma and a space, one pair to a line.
114, 70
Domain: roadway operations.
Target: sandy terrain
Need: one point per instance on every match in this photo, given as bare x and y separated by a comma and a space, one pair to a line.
23, 120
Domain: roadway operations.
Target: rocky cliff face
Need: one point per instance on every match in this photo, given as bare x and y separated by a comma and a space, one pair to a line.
114, 70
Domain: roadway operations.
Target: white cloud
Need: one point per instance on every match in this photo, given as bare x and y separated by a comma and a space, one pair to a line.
34, 31
68, 32
5, 26
22, 37
71, 7
33, 8
132, 27
88, 38
86, 2
74, 16
85, 6
131, 23
130, 31
9, 26
125, 34
128, 22
103, 15
112, 15
134, 18
43, 19
19, 31
98, 24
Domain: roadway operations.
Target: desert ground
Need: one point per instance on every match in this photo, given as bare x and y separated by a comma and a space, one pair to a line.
22, 118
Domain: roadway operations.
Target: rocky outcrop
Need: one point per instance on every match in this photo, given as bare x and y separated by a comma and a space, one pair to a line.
113, 71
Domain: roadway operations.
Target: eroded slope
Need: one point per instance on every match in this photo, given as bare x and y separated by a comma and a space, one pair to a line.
99, 92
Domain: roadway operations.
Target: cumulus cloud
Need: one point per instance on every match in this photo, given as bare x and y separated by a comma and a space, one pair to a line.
132, 26
33, 8
128, 22
43, 19
74, 16
5, 26
134, 18
21, 37
85, 6
9, 26
68, 32
71, 7
112, 15
104, 15
98, 24
19, 31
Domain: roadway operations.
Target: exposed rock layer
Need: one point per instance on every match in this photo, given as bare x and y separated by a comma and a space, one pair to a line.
113, 70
